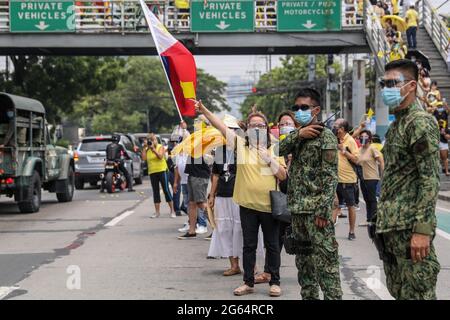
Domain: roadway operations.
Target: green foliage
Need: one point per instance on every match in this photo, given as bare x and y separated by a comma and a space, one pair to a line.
60, 81
63, 143
276, 90
143, 89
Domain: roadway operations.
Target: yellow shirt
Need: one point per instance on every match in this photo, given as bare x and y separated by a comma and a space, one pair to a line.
154, 163
368, 161
346, 173
254, 178
377, 146
412, 17
395, 7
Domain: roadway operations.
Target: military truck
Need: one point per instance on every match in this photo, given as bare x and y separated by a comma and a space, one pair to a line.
29, 160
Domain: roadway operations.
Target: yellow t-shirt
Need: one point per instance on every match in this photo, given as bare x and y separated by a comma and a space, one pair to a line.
254, 178
395, 7
368, 161
154, 163
412, 17
346, 174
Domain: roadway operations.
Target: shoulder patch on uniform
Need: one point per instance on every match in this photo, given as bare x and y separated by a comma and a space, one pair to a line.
329, 156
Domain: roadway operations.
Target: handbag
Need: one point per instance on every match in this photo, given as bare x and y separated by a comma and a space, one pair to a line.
278, 201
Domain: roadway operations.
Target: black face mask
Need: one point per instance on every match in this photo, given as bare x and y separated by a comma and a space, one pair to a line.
335, 131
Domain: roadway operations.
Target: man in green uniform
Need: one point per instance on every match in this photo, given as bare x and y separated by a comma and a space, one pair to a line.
311, 189
406, 222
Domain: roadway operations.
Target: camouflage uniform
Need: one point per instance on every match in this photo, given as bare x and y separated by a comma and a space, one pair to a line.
408, 199
311, 189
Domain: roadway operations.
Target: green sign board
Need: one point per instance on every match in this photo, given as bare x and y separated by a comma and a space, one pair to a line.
222, 16
309, 15
42, 16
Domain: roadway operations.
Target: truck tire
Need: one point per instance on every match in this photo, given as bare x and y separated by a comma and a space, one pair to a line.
33, 201
79, 184
110, 183
69, 186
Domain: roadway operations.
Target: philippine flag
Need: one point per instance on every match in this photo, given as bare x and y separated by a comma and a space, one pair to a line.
179, 63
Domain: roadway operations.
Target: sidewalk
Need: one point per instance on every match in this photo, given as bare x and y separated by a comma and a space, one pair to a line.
444, 195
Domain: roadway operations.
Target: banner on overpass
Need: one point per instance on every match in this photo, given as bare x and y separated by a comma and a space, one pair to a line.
222, 16
308, 15
42, 16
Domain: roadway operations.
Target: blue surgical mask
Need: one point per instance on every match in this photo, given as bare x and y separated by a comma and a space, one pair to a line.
303, 117
392, 97
10, 114
440, 109
286, 130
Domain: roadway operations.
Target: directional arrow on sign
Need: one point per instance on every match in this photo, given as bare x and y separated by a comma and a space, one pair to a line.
41, 26
222, 25
309, 24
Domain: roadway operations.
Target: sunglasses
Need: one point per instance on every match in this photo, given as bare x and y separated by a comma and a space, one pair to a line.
302, 107
257, 125
391, 83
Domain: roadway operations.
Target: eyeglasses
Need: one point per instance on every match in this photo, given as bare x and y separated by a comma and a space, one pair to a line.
302, 107
257, 125
286, 124
391, 83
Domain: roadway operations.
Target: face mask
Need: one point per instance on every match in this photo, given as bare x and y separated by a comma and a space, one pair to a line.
440, 109
303, 117
257, 136
392, 97
286, 130
10, 114
364, 141
335, 131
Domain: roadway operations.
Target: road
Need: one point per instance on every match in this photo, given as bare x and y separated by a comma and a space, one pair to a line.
107, 247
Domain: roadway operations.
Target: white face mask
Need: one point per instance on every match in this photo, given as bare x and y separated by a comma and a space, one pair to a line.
286, 130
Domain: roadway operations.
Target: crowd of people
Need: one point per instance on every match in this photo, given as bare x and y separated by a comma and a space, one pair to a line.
321, 170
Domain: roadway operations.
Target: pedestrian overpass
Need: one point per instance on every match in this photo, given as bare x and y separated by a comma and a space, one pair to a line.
214, 27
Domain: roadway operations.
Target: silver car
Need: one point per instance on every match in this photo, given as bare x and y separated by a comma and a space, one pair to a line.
90, 158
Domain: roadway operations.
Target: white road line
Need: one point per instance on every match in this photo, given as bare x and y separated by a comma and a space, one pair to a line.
440, 232
4, 291
116, 220
443, 234
378, 288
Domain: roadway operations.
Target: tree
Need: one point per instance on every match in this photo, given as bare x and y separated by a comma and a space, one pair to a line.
58, 82
276, 90
143, 90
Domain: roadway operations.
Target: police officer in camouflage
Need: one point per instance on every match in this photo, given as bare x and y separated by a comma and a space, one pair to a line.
406, 220
311, 189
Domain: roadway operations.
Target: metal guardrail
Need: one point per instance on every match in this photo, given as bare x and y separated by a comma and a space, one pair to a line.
126, 16
435, 26
376, 36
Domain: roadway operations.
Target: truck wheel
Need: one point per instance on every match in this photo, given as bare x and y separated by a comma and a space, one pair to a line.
67, 195
33, 201
110, 183
79, 184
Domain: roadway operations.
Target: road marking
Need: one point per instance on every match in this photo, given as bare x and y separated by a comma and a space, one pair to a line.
440, 232
4, 291
443, 234
378, 288
116, 220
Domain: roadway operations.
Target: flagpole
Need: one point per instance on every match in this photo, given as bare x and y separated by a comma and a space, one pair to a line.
144, 8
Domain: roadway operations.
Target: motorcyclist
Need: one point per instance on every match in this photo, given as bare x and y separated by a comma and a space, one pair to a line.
116, 152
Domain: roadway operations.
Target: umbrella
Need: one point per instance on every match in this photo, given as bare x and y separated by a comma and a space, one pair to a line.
396, 20
419, 57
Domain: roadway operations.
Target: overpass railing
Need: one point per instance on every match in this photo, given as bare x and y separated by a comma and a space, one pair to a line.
376, 37
126, 16
435, 26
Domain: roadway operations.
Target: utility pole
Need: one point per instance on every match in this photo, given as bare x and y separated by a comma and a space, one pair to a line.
311, 68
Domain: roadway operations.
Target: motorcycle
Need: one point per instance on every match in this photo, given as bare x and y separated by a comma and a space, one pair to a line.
113, 179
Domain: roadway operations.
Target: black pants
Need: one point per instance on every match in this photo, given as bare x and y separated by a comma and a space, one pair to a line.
369, 191
250, 222
281, 234
160, 178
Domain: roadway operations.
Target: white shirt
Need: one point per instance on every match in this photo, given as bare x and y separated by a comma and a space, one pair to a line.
180, 164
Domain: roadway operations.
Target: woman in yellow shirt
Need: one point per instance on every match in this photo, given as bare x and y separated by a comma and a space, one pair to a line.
154, 153
258, 170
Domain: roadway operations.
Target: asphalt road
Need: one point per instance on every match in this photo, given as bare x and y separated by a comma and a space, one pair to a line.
104, 246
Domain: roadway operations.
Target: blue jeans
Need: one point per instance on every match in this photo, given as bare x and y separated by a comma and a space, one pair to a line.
411, 37
201, 218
